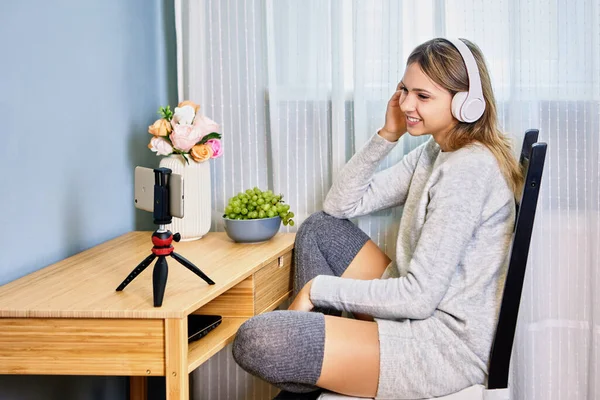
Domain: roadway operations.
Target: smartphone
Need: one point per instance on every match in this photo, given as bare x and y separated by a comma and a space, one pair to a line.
144, 191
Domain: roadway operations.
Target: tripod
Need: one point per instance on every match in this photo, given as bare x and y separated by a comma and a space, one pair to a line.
162, 239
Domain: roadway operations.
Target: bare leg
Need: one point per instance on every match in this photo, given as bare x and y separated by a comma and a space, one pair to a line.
369, 263
325, 245
351, 357
302, 351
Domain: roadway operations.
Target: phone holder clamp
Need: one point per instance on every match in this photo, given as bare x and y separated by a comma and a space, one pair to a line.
162, 240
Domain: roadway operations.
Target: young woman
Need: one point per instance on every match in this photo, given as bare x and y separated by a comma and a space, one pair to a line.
424, 322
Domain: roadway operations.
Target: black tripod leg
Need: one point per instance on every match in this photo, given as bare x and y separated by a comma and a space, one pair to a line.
159, 280
136, 271
188, 264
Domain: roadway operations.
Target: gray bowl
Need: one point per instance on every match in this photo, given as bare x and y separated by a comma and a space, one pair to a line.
252, 230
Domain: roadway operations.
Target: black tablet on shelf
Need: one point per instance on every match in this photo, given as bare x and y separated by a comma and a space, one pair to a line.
200, 325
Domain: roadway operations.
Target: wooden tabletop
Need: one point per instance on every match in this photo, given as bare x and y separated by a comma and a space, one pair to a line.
83, 286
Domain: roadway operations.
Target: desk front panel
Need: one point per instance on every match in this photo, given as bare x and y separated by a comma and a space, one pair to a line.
35, 346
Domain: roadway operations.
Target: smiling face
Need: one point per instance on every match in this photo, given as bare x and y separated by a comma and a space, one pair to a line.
427, 106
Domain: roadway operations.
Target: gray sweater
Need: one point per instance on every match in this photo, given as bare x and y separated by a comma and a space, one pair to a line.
453, 240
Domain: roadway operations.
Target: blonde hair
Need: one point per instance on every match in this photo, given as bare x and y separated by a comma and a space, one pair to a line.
442, 63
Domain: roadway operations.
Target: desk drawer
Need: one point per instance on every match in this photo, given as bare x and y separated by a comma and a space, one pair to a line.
260, 292
273, 284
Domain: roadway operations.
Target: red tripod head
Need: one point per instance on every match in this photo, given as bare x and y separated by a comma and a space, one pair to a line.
162, 242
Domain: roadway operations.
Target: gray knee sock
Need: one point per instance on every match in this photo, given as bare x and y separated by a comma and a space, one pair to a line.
285, 348
325, 245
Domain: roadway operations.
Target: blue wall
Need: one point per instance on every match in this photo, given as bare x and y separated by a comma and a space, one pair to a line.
80, 81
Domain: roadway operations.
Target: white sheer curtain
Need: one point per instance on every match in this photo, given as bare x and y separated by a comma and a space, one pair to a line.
298, 86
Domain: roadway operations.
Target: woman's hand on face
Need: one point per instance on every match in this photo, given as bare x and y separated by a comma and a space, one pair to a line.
395, 120
302, 301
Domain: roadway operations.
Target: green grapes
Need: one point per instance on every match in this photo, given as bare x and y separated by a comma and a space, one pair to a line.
256, 204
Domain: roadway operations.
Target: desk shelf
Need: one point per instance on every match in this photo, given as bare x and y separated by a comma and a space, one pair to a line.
203, 349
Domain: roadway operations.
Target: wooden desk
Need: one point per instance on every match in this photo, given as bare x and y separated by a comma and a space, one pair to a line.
67, 319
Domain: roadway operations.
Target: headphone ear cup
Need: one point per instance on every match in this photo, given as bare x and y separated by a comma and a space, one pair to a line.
457, 102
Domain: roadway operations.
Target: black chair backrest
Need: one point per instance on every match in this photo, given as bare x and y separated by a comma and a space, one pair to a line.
532, 159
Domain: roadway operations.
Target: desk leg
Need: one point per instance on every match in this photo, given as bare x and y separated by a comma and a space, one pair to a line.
176, 356
138, 388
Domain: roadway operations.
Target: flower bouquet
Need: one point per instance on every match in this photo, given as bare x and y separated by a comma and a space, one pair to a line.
186, 132
188, 139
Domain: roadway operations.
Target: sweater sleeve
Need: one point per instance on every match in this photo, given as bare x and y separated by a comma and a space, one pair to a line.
359, 191
452, 217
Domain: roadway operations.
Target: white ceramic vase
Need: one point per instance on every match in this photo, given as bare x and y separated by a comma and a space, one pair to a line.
196, 196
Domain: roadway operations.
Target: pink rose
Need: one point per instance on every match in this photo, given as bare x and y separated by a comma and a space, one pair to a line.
184, 137
160, 146
216, 146
205, 125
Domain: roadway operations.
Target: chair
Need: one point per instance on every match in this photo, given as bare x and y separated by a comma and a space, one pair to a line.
532, 159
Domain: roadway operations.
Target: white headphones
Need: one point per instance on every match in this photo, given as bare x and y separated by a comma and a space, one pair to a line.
468, 106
